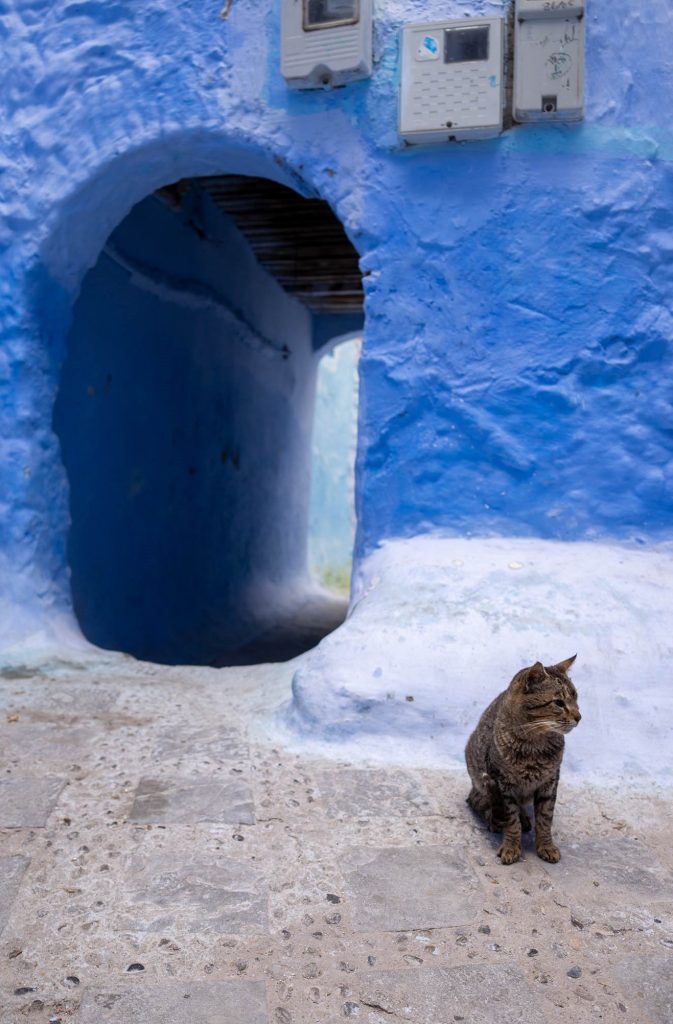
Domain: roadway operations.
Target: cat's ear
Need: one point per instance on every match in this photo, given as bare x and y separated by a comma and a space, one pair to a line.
535, 675
565, 665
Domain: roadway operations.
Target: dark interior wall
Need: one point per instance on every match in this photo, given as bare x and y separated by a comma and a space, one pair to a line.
184, 416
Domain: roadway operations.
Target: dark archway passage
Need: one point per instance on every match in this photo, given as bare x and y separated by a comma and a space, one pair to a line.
185, 413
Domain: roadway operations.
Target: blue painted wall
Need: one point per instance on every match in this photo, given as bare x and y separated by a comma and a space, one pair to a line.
184, 416
516, 375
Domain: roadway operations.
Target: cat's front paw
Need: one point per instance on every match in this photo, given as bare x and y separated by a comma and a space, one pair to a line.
548, 851
509, 852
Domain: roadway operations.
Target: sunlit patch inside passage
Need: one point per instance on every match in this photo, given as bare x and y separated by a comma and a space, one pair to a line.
332, 503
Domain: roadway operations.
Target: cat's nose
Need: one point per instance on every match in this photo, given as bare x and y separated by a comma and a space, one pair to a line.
577, 716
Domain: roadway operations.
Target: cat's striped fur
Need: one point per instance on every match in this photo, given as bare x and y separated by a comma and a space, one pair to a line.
514, 756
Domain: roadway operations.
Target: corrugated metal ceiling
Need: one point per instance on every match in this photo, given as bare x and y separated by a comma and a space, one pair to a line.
300, 241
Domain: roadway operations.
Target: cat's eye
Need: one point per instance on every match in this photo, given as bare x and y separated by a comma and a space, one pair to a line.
560, 703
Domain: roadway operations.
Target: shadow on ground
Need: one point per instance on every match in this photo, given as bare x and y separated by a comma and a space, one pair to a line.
292, 635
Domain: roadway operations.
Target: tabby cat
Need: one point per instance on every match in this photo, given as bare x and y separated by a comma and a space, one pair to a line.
514, 756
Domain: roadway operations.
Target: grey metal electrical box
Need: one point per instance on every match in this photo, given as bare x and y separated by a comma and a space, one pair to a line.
452, 80
548, 60
325, 42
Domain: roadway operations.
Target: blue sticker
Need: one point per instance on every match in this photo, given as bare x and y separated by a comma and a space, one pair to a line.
493, 80
430, 44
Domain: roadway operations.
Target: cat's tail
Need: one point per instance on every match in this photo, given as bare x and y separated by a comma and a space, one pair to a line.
480, 800
486, 801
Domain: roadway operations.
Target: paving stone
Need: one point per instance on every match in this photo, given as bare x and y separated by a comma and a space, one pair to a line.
213, 895
56, 699
188, 801
18, 672
27, 801
364, 793
202, 744
437, 995
11, 873
50, 744
648, 982
420, 887
219, 1002
622, 868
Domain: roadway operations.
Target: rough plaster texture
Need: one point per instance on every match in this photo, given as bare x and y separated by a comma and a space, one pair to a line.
516, 371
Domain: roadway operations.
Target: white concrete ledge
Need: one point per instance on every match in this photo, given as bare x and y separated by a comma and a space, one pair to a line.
438, 626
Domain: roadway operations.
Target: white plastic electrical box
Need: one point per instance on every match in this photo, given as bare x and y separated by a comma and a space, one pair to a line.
452, 80
548, 60
325, 42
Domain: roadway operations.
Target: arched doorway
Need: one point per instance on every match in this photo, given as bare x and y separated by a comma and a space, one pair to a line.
185, 414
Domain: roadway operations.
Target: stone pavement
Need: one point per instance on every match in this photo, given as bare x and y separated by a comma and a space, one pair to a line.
160, 861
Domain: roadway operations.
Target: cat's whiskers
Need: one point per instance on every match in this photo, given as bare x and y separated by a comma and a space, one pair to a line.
540, 724
542, 728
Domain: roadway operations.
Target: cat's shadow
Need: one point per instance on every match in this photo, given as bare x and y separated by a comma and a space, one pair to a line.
494, 839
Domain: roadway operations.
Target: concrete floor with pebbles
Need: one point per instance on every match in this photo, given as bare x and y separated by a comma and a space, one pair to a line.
161, 860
